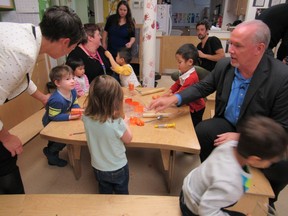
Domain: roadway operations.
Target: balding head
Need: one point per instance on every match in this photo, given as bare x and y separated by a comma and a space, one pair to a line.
259, 32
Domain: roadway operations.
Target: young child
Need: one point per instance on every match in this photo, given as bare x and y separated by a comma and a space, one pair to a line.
223, 177
122, 67
81, 80
58, 108
186, 57
106, 133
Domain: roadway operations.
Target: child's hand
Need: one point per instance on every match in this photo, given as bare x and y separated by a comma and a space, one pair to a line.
108, 54
73, 117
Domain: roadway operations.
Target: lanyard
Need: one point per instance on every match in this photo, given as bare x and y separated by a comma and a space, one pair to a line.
97, 57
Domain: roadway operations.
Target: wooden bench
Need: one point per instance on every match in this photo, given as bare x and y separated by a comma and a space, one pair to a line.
29, 128
85, 205
258, 194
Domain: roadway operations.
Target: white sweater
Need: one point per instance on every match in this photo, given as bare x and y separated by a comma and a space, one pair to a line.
217, 183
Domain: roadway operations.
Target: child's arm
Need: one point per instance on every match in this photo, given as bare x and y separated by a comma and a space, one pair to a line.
74, 105
122, 70
127, 136
56, 112
78, 88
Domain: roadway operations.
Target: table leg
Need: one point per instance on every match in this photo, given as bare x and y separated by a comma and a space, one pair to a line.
74, 155
168, 159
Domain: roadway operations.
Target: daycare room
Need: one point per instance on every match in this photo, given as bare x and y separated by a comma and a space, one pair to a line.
163, 146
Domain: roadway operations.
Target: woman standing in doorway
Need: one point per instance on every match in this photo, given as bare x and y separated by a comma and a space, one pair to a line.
119, 30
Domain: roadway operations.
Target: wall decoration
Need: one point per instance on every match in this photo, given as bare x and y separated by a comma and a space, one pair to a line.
274, 2
259, 11
258, 3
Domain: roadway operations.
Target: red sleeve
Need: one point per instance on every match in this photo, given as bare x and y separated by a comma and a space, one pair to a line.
175, 87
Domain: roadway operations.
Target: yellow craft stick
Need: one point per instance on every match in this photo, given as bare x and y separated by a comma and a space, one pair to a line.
172, 125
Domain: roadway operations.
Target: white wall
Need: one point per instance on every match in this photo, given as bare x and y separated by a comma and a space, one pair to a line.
137, 12
251, 11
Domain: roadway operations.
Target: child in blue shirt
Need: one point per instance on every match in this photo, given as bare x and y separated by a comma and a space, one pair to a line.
107, 133
58, 108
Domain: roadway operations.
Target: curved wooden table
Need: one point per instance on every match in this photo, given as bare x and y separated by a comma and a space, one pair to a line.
169, 140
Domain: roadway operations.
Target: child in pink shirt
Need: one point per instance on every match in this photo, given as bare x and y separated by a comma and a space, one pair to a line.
81, 80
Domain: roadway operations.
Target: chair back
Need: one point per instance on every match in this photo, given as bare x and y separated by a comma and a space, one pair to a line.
201, 72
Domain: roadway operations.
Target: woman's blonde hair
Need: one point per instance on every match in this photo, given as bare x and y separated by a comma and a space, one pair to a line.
105, 99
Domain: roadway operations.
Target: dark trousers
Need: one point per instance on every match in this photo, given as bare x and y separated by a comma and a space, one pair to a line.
184, 210
113, 181
207, 132
55, 147
10, 178
197, 117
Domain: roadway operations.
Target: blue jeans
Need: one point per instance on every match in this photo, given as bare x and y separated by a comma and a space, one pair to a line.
113, 181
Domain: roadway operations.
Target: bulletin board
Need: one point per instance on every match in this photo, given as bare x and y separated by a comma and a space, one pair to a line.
7, 4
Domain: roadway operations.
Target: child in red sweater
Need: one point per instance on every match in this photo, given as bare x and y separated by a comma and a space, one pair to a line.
186, 56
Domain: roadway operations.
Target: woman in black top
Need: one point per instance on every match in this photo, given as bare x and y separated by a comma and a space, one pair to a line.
92, 53
119, 30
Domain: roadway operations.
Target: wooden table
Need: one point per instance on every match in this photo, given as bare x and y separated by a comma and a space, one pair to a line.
85, 205
169, 140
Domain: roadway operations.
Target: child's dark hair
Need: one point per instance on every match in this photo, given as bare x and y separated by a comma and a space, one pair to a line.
188, 51
205, 23
58, 72
126, 54
105, 99
74, 63
263, 137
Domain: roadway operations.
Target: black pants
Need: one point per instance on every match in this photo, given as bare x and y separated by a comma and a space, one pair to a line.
207, 132
10, 178
197, 116
184, 209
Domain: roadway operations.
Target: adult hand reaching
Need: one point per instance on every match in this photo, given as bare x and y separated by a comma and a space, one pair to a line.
11, 142
163, 103
222, 138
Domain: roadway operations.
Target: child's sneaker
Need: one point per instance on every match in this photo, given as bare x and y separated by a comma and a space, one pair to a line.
53, 158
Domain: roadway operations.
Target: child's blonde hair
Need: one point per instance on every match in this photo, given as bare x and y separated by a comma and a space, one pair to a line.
105, 99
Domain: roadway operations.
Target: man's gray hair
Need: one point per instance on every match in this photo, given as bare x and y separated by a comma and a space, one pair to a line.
262, 32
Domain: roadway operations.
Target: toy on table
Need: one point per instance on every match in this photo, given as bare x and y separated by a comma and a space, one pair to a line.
151, 91
77, 111
172, 125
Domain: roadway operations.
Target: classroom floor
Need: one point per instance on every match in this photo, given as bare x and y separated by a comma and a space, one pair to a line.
146, 171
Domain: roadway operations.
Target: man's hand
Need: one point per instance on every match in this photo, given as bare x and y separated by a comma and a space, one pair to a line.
11, 142
201, 54
41, 97
222, 138
163, 103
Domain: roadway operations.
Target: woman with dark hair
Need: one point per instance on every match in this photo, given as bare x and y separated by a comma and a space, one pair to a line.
119, 30
92, 53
